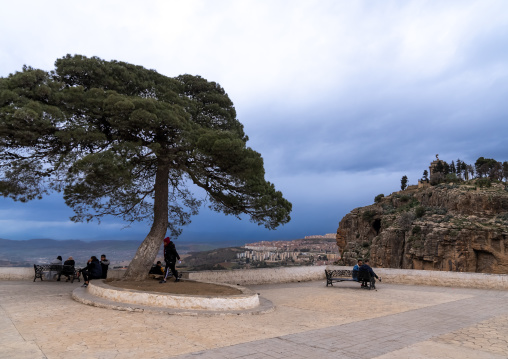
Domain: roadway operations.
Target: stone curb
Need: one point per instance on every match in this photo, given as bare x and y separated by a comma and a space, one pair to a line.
83, 296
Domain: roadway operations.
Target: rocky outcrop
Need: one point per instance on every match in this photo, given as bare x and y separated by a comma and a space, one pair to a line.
446, 227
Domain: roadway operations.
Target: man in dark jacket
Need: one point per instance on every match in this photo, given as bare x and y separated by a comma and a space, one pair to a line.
170, 256
69, 270
372, 274
93, 270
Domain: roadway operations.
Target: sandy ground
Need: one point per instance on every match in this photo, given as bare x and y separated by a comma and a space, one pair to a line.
182, 287
40, 320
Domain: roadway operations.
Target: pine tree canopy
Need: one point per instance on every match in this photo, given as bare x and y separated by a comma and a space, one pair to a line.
122, 140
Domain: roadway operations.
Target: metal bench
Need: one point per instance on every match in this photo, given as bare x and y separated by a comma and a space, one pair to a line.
339, 275
346, 275
60, 270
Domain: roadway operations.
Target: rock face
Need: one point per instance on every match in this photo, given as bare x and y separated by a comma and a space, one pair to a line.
447, 227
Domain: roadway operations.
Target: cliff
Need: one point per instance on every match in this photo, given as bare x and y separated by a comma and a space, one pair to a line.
447, 227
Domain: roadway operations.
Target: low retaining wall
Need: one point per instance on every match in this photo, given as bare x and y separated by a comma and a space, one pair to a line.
301, 274
444, 279
389, 275
28, 273
260, 275
246, 300
17, 273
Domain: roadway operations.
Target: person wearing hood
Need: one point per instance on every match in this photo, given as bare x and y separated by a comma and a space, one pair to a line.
170, 256
104, 266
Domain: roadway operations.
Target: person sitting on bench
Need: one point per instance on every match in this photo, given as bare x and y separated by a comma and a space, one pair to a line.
93, 270
66, 271
52, 272
104, 266
373, 275
356, 268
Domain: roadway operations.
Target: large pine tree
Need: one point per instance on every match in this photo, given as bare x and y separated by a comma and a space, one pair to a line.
121, 140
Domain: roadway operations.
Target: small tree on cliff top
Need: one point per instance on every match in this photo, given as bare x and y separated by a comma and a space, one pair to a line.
403, 182
121, 140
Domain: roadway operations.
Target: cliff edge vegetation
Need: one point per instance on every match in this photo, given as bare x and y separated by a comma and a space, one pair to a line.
450, 226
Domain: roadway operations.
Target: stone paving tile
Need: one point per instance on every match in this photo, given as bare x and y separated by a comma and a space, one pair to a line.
381, 335
488, 336
310, 320
434, 350
12, 344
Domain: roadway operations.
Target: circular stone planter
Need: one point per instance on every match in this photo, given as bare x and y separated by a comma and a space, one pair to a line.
246, 300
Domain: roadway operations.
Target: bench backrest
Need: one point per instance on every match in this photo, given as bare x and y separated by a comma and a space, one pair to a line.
53, 267
338, 273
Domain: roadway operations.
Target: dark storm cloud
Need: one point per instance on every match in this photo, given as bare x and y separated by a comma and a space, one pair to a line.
340, 98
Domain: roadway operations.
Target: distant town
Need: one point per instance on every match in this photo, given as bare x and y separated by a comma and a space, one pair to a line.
311, 250
315, 249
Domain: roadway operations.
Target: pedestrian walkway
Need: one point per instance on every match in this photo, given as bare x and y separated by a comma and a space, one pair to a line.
40, 320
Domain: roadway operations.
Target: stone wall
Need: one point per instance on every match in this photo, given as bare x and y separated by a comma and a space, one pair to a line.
260, 275
301, 274
17, 273
28, 273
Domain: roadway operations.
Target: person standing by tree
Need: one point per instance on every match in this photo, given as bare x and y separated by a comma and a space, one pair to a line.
170, 256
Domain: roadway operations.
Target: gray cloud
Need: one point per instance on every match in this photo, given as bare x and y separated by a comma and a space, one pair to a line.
341, 98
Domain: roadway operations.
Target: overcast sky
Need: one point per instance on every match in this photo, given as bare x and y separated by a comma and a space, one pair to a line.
341, 98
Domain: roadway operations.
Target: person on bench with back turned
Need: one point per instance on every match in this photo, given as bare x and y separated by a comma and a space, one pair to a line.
93, 270
52, 272
372, 274
65, 271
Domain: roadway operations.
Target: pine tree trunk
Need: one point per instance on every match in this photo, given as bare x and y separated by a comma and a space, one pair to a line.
147, 251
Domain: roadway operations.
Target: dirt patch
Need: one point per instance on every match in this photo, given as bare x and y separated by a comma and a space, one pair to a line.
182, 287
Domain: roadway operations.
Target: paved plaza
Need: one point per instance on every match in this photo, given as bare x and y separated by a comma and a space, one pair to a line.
41, 320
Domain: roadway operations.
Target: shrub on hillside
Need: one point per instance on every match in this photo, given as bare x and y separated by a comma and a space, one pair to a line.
419, 211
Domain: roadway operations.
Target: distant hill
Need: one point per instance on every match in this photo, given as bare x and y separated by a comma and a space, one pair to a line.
24, 253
